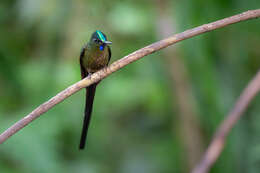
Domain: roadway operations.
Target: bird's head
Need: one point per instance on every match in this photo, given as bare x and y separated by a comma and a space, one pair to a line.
99, 39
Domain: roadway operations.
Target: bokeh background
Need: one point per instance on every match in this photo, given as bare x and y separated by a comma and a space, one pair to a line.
155, 115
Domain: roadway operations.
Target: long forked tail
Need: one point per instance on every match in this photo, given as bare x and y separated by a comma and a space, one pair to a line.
90, 94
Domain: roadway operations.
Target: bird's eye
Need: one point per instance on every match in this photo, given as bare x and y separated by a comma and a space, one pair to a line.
95, 40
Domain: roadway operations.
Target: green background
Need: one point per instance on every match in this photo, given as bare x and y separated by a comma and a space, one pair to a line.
138, 123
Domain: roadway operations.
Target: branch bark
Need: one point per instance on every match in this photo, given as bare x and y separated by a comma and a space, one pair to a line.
219, 138
251, 14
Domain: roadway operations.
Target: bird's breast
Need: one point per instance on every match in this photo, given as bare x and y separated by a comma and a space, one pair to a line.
96, 60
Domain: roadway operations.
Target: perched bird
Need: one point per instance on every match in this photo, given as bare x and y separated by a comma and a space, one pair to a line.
94, 56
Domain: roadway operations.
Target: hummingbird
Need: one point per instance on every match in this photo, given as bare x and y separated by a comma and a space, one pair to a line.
94, 56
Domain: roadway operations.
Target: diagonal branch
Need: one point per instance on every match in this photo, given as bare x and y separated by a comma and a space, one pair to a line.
123, 62
217, 144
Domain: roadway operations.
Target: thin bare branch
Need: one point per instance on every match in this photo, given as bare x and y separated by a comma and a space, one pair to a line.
219, 138
123, 62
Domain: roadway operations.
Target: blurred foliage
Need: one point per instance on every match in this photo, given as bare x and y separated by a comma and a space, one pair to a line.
134, 124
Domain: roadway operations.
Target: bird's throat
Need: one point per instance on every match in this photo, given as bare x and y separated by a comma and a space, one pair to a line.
95, 59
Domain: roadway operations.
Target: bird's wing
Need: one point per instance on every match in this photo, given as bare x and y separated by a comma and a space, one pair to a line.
83, 71
109, 54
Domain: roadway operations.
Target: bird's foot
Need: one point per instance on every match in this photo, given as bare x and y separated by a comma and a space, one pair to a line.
89, 75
